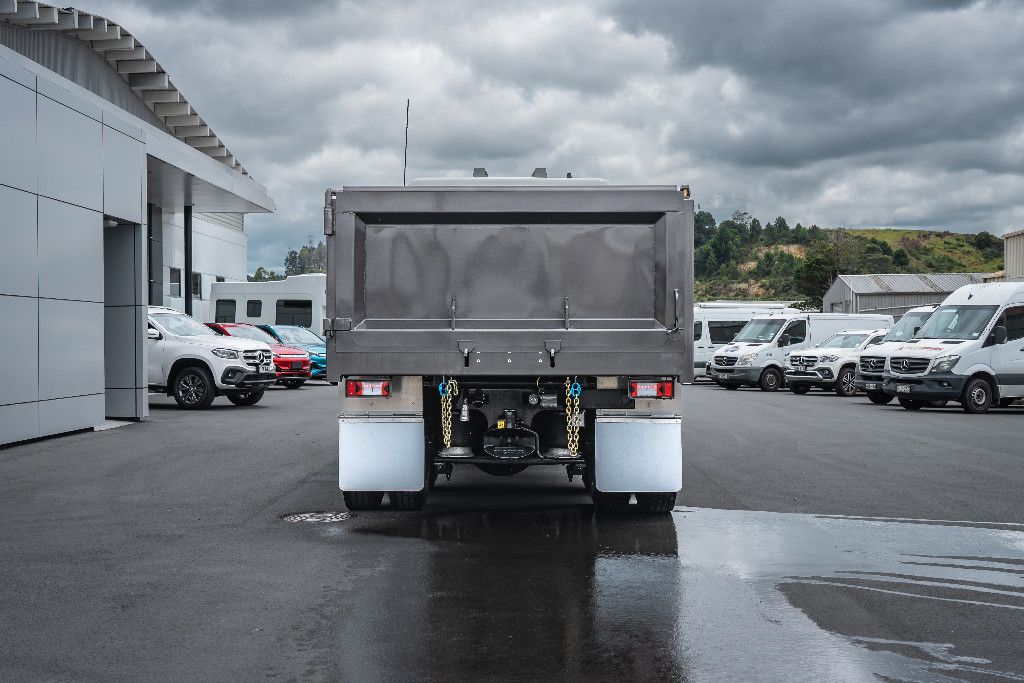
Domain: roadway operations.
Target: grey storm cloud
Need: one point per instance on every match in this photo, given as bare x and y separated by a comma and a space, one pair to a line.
873, 113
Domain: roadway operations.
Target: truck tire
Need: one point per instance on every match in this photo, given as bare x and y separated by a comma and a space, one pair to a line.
771, 380
880, 398
656, 503
844, 383
194, 388
977, 397
609, 502
800, 389
292, 383
408, 501
246, 398
910, 403
363, 500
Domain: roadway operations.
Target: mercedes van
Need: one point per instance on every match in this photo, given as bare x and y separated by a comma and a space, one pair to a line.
871, 363
716, 323
757, 356
971, 350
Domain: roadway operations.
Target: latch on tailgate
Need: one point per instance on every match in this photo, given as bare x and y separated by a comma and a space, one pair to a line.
552, 346
466, 346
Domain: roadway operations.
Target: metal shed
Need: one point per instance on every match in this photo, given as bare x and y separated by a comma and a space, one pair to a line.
1013, 255
892, 293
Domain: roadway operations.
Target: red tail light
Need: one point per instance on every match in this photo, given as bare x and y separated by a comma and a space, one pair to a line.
359, 388
651, 389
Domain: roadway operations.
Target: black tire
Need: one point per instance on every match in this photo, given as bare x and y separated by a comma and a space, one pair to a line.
408, 501
844, 385
935, 404
194, 388
800, 389
292, 383
771, 380
880, 397
363, 500
246, 398
978, 396
730, 387
610, 502
910, 403
656, 503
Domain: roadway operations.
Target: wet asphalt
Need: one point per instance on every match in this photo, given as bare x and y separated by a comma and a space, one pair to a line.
817, 538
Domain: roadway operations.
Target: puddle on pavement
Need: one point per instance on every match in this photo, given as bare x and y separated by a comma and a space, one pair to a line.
700, 594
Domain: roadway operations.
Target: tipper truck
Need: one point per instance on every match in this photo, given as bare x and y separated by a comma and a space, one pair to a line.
508, 323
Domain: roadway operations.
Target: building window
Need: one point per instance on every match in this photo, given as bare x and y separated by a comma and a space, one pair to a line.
253, 308
197, 285
295, 312
225, 311
174, 280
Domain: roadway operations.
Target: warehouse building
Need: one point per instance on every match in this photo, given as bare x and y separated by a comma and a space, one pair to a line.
1013, 255
891, 293
112, 189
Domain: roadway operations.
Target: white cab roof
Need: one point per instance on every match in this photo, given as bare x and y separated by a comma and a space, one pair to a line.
988, 294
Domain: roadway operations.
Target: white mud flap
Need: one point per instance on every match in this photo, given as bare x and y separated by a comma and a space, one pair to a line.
638, 454
381, 454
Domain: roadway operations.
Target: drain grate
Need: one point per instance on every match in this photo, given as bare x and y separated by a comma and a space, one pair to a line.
318, 517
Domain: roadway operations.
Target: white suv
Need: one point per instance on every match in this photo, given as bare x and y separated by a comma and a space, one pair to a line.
192, 363
832, 364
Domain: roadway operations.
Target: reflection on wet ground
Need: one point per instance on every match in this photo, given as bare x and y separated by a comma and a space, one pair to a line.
700, 595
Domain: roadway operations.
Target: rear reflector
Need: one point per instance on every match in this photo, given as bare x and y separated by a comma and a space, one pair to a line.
651, 389
367, 388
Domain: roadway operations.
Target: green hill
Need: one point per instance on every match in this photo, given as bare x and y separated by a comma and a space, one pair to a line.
741, 259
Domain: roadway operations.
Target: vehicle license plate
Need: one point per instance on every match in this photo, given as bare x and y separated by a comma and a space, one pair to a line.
266, 368
871, 386
902, 388
296, 364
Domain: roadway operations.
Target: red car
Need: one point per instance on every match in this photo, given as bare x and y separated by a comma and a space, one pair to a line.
291, 365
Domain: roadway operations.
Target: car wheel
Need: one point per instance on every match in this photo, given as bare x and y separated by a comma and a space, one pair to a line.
246, 398
800, 389
656, 503
771, 380
194, 388
363, 500
910, 404
845, 383
977, 397
292, 383
879, 398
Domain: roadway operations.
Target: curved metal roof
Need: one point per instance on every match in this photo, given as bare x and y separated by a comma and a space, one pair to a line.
133, 62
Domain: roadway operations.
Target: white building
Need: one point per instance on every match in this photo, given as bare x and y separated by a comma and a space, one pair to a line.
110, 183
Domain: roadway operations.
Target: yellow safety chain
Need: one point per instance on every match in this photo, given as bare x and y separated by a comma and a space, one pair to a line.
448, 391
572, 411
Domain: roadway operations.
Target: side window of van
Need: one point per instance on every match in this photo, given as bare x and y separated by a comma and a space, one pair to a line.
797, 331
724, 331
1014, 321
696, 331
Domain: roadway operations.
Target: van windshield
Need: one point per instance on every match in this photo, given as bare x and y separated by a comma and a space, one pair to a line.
904, 329
762, 331
957, 322
843, 341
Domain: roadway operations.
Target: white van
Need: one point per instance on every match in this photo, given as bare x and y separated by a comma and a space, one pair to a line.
871, 364
716, 323
295, 300
757, 356
971, 350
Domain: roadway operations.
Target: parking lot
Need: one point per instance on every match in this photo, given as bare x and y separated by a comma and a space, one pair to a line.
816, 538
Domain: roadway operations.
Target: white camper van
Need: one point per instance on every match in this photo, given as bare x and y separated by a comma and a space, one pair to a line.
295, 300
757, 356
716, 323
871, 364
971, 350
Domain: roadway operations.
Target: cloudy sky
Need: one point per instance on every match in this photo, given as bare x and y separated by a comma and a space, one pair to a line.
863, 114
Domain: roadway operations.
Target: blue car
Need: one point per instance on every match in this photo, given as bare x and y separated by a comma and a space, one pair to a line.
295, 335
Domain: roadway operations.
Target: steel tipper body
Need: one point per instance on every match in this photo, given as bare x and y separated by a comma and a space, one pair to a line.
970, 350
507, 323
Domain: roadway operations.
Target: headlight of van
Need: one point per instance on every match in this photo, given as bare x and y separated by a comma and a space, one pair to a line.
747, 358
226, 353
945, 364
829, 359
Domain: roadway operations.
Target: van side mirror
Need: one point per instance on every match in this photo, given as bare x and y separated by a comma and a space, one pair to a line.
999, 335
784, 340
152, 334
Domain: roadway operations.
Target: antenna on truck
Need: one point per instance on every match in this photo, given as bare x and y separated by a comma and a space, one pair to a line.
405, 150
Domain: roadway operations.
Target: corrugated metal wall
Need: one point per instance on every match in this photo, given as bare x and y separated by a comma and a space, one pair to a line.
895, 304
1014, 250
838, 299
